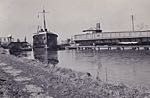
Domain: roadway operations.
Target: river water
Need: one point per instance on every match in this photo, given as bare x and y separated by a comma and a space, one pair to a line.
131, 67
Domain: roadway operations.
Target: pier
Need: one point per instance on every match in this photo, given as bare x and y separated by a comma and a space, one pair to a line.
105, 47
98, 40
113, 38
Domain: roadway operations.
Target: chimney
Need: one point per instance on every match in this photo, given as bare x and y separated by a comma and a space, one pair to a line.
98, 27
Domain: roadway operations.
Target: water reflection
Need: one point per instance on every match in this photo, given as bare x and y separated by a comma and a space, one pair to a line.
43, 55
128, 66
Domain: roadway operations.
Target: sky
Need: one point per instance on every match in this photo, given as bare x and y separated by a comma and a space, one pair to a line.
66, 18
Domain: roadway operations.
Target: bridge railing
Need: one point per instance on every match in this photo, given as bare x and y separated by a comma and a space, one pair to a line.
112, 35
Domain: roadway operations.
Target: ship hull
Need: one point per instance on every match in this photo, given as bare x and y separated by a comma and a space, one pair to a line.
19, 47
45, 40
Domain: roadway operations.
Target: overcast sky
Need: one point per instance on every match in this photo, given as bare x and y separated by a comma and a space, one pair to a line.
70, 17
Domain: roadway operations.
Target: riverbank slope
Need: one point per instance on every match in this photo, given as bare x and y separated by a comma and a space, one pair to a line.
23, 78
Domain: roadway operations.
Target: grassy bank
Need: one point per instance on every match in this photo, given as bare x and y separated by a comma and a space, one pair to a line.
63, 83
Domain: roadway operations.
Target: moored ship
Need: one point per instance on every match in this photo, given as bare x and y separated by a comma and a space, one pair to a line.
44, 38
19, 47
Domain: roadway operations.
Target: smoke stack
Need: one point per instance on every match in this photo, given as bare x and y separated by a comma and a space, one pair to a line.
98, 27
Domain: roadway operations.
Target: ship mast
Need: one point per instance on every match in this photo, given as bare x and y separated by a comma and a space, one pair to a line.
132, 19
44, 19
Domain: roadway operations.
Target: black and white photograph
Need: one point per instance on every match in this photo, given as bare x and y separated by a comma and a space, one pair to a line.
74, 49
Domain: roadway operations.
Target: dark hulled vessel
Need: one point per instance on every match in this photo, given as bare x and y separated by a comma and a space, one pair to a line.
19, 47
44, 38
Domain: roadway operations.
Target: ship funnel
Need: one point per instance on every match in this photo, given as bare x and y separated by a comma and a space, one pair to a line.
98, 27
